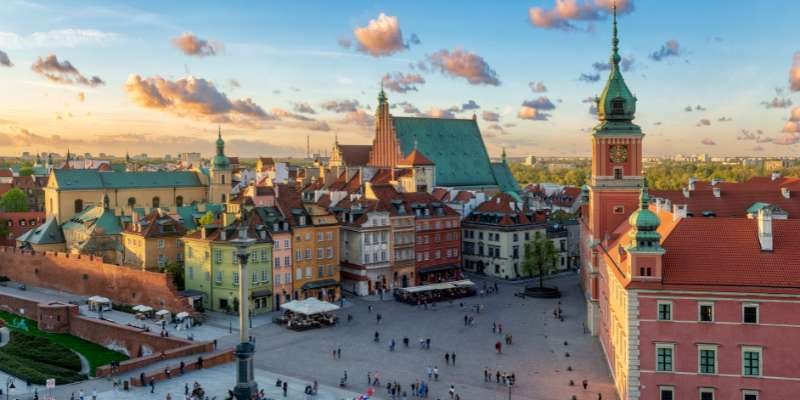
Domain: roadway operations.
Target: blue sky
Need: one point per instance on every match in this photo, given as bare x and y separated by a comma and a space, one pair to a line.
731, 57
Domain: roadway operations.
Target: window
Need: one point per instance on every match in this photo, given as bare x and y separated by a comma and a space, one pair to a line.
706, 311
515, 237
320, 253
264, 255
319, 271
156, 202
254, 257
78, 205
298, 254
235, 279
218, 256
664, 310
218, 278
330, 235
286, 244
298, 274
278, 279
619, 210
287, 261
751, 361
161, 243
664, 353
264, 276
255, 278
706, 394
308, 272
287, 277
330, 270
308, 254
617, 106
277, 262
749, 395
750, 313
617, 172
707, 355
179, 201
666, 393
320, 236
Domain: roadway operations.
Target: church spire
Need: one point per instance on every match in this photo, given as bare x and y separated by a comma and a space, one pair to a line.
615, 58
616, 103
382, 95
503, 155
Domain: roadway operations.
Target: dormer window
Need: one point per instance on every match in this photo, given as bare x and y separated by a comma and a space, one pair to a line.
617, 106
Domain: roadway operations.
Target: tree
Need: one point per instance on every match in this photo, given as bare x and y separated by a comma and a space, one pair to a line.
25, 171
540, 257
207, 218
175, 270
14, 200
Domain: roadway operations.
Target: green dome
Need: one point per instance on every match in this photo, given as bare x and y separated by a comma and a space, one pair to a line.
220, 142
220, 161
644, 220
644, 225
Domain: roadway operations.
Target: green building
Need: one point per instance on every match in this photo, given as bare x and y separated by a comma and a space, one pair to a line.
212, 268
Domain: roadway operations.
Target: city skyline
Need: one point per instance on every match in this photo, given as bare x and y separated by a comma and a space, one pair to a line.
116, 78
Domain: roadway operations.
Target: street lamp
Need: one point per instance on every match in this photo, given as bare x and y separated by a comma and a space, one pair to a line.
10, 387
246, 386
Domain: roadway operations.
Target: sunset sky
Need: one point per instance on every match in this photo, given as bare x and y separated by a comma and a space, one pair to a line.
158, 77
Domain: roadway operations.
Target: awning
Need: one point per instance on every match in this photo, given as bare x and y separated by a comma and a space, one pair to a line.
319, 284
438, 286
142, 308
193, 293
309, 306
261, 293
439, 268
98, 299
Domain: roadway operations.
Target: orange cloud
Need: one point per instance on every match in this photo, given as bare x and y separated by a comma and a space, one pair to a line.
462, 63
794, 73
63, 72
564, 12
532, 114
192, 45
381, 37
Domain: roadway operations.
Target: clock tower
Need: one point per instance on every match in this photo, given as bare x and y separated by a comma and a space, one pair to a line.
616, 176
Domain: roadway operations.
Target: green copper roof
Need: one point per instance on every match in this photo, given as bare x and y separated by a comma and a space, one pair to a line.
94, 218
644, 225
86, 179
504, 178
47, 233
617, 105
454, 145
220, 161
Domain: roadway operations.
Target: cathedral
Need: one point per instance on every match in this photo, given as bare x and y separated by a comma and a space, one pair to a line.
448, 152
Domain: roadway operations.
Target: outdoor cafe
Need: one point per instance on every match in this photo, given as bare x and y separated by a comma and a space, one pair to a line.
435, 292
300, 315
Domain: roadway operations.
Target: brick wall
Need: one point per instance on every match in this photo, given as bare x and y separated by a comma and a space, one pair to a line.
88, 276
212, 360
25, 307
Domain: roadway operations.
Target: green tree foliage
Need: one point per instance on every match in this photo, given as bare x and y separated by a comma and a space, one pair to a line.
176, 271
525, 174
14, 200
26, 171
540, 257
207, 218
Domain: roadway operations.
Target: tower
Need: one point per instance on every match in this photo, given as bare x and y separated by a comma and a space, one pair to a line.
219, 186
616, 152
644, 249
385, 147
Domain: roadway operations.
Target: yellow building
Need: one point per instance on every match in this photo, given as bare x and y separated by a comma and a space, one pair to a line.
211, 267
152, 241
315, 241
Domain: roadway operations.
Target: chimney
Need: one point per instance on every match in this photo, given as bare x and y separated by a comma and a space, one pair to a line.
775, 176
686, 192
765, 229
203, 232
786, 192
223, 234
678, 212
717, 192
692, 181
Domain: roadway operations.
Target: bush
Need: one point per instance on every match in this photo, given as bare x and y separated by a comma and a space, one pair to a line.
36, 359
126, 308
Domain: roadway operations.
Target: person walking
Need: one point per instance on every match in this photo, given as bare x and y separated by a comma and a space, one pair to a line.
369, 378
452, 391
494, 327
430, 372
453, 358
378, 318
339, 353
466, 320
436, 373
428, 343
499, 347
285, 388
585, 384
500, 328
377, 337
447, 358
152, 385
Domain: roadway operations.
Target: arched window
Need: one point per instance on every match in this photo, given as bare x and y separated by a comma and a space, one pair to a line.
156, 202
223, 197
179, 201
78, 205
222, 177
131, 201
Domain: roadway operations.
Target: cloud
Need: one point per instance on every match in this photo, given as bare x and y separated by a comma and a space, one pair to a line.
56, 38
321, 126
497, 127
81, 97
531, 113
509, 125
304, 108
381, 36
688, 109
409, 108
192, 45
537, 87
234, 84
746, 135
436, 112
402, 83
795, 116
758, 148
63, 72
470, 105
565, 12
281, 113
657, 123
462, 63
708, 142
341, 106
490, 116
704, 122
593, 109
4, 60
794, 73
778, 102
724, 119
669, 49
193, 97
626, 64
542, 103
359, 117
414, 39
699, 108
589, 77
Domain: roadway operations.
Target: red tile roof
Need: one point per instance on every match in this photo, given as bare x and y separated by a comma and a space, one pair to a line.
355, 155
733, 201
441, 194
416, 158
464, 197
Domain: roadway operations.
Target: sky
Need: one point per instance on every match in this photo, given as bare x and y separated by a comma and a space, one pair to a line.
158, 77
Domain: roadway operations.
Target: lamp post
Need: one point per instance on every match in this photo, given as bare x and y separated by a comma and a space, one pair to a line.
10, 387
246, 386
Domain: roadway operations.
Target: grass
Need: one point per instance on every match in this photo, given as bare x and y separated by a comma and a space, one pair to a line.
36, 359
95, 354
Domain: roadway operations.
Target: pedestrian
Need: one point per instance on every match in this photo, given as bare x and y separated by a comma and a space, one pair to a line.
167, 372
339, 353
430, 372
378, 317
81, 395
500, 328
369, 378
428, 343
377, 378
499, 347
496, 288
186, 388
466, 320
181, 367
494, 327
349, 317
152, 385
486, 375
447, 358
215, 344
316, 384
405, 341
599, 396
436, 373
391, 345
377, 337
585, 384
453, 358
169, 396
369, 308
141, 379
285, 388
452, 391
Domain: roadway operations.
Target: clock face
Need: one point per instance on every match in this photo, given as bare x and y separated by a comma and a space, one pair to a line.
618, 153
